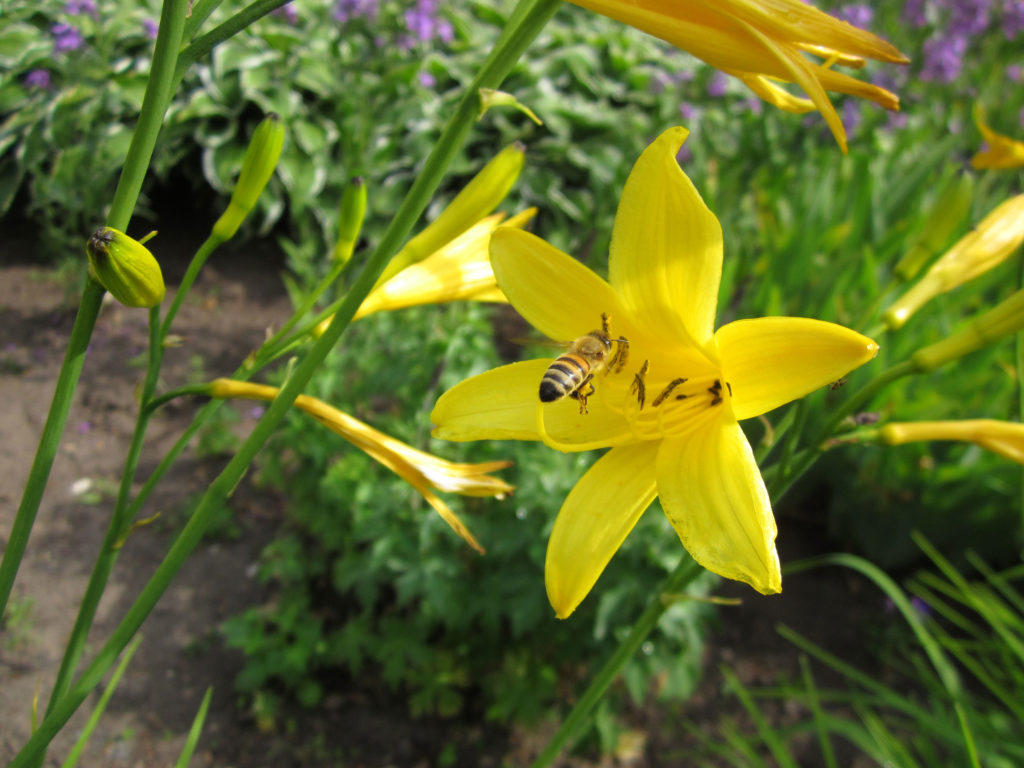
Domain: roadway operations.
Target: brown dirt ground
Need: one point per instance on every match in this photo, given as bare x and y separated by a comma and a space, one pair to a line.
237, 298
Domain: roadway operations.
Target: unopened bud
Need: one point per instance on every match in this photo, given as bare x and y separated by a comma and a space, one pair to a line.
988, 245
481, 196
126, 268
1005, 438
350, 219
949, 210
258, 165
1005, 318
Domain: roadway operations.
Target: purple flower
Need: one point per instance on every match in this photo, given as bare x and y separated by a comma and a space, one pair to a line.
858, 14
151, 27
1014, 72
969, 17
915, 13
345, 10
423, 23
79, 7
427, 80
687, 111
943, 58
1013, 18
719, 85
852, 115
38, 78
288, 13
66, 38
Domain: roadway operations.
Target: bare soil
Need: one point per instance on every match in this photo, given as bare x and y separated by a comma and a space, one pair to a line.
237, 298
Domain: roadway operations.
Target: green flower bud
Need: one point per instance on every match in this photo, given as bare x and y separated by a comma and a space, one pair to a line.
350, 219
492, 98
947, 213
257, 167
986, 246
481, 196
126, 268
1005, 318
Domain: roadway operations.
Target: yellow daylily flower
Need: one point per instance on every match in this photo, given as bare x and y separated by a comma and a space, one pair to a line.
759, 41
423, 471
459, 271
985, 247
1002, 152
670, 414
1005, 438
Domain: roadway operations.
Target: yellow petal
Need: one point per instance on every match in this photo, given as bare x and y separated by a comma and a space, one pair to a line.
666, 250
713, 494
556, 294
504, 403
770, 361
776, 95
1002, 151
595, 519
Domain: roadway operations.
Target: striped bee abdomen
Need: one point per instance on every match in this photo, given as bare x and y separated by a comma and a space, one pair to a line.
563, 377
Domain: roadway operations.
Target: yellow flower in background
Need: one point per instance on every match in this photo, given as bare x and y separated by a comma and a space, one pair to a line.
1005, 438
986, 246
423, 471
670, 411
762, 42
1002, 151
459, 271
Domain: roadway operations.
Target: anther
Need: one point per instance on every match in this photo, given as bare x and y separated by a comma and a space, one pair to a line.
667, 391
638, 386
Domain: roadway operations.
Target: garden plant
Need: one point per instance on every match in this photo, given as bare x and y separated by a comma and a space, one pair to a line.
557, 269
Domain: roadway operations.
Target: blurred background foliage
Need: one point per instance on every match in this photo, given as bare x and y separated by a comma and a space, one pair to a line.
365, 577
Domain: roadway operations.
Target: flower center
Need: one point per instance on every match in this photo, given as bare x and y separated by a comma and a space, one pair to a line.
658, 400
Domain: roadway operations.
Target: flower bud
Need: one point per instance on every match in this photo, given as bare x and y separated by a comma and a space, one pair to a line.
1005, 318
985, 247
476, 200
1002, 151
1005, 438
350, 219
257, 167
125, 267
947, 213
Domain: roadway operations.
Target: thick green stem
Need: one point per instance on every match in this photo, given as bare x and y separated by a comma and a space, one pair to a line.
685, 572
208, 247
117, 526
526, 22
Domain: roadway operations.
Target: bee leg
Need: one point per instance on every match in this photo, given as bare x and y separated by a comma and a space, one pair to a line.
582, 395
667, 391
618, 362
638, 385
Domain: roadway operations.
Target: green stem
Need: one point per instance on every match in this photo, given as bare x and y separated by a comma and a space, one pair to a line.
783, 482
116, 528
525, 24
208, 247
222, 32
685, 572
307, 304
1020, 403
38, 475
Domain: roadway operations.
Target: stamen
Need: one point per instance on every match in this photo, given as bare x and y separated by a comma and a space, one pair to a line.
638, 386
667, 391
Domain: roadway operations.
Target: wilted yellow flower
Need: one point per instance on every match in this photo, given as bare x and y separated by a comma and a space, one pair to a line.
670, 417
762, 42
1002, 151
125, 267
423, 471
983, 248
1003, 437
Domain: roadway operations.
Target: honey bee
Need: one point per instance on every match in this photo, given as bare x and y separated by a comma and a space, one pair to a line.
572, 374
